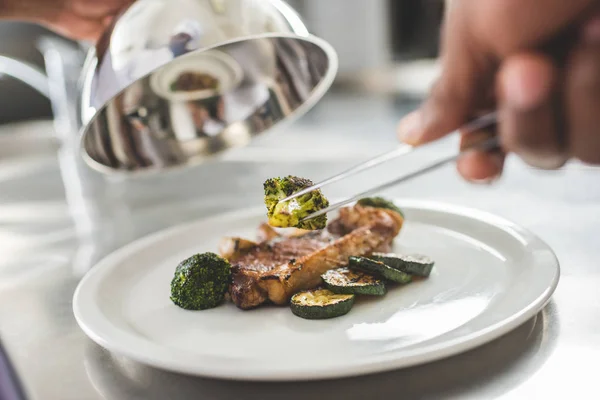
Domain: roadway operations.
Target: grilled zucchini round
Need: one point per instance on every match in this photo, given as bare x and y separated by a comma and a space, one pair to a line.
347, 281
321, 304
415, 264
379, 269
380, 202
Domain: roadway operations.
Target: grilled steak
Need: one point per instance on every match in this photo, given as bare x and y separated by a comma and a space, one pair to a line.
277, 268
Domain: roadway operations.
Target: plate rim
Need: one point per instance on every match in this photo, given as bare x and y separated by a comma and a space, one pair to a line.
387, 362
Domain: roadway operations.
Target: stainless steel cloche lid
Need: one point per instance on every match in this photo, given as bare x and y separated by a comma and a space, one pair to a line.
174, 82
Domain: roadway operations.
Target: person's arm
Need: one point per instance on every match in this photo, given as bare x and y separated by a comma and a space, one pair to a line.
76, 19
537, 63
7, 9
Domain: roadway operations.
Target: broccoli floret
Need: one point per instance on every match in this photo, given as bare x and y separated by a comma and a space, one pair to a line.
200, 282
380, 202
289, 214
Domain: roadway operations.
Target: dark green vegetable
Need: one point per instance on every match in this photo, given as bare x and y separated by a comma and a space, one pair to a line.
321, 304
379, 269
289, 214
200, 282
347, 281
415, 264
380, 202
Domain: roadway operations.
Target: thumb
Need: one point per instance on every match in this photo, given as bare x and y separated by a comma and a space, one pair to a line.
464, 86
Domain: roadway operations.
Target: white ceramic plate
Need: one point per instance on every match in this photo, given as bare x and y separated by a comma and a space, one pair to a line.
490, 276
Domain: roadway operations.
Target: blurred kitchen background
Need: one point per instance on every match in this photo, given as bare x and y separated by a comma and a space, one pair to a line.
384, 46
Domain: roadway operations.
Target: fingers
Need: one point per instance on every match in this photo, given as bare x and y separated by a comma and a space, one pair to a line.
466, 68
476, 37
582, 95
74, 27
548, 114
507, 26
94, 9
541, 123
83, 19
532, 124
480, 166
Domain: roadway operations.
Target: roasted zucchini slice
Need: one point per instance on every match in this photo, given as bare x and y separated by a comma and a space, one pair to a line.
321, 304
379, 269
413, 264
347, 281
380, 202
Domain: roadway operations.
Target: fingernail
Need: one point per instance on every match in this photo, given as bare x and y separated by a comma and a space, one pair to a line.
526, 87
409, 128
477, 169
487, 181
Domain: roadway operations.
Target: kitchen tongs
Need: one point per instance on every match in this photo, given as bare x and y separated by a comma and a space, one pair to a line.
487, 144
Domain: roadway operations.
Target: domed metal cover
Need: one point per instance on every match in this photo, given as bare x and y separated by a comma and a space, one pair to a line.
175, 82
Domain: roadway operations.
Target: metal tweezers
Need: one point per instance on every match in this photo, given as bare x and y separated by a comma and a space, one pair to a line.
488, 144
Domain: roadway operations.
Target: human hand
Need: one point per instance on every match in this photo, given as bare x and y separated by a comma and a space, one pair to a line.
537, 63
76, 19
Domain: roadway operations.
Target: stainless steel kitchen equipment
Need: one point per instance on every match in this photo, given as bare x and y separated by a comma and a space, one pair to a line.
140, 108
256, 48
268, 69
448, 143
